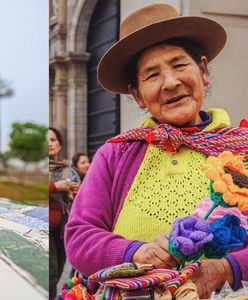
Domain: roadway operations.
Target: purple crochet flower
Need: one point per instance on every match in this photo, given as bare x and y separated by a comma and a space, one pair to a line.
188, 236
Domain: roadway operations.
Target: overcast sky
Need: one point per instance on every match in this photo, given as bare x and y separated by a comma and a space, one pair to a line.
24, 62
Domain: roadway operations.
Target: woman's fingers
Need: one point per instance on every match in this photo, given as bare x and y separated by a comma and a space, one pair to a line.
154, 254
162, 241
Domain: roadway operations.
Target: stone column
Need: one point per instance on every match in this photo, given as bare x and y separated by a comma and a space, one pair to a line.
60, 103
77, 103
62, 15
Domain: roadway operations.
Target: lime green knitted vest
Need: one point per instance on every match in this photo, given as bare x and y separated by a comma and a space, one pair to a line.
167, 186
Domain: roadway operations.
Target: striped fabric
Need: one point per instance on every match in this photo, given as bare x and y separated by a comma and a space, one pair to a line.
152, 285
155, 277
170, 138
179, 280
122, 270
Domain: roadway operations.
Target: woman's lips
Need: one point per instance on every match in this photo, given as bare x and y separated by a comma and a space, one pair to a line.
176, 99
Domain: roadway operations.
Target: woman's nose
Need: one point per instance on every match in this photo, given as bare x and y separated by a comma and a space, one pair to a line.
170, 81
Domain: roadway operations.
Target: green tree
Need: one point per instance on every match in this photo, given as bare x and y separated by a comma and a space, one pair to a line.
28, 141
5, 91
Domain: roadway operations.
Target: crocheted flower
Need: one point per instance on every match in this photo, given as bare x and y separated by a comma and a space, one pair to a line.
205, 205
230, 180
188, 236
228, 234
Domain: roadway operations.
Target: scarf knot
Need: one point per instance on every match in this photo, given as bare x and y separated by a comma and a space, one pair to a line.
166, 137
170, 138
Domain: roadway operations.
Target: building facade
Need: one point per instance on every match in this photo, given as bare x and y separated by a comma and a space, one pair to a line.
82, 30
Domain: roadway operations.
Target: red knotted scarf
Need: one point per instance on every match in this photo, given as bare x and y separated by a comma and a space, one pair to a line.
170, 138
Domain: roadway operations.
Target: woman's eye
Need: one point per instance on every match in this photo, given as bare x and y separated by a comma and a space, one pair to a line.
152, 75
177, 66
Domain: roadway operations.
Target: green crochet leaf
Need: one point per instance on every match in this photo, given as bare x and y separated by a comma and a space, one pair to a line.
217, 197
174, 251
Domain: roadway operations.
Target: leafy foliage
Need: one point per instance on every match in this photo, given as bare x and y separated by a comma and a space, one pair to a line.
28, 141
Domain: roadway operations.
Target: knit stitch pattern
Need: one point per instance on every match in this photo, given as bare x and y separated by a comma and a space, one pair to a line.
161, 194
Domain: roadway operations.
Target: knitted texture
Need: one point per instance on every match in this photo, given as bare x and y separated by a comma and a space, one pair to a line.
169, 138
204, 206
230, 180
188, 236
241, 258
166, 187
228, 234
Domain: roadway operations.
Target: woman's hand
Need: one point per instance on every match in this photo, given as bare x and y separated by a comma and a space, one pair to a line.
156, 253
74, 187
62, 185
211, 276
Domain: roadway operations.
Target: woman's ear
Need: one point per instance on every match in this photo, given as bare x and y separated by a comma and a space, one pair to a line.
137, 96
204, 70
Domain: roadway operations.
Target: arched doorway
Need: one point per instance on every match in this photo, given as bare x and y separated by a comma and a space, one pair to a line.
103, 107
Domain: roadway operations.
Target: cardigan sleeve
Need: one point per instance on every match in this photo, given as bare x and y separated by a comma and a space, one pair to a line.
241, 257
89, 241
52, 187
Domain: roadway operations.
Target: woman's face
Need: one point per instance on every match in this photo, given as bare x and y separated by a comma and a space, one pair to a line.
54, 145
171, 85
83, 165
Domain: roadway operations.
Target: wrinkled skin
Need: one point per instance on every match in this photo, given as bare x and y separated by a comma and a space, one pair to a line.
156, 253
211, 276
171, 85
213, 271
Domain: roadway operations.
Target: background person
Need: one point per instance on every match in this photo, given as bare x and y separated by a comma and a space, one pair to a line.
60, 196
80, 166
144, 179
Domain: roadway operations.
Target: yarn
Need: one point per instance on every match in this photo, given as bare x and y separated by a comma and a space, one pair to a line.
74, 289
188, 236
228, 234
203, 207
226, 172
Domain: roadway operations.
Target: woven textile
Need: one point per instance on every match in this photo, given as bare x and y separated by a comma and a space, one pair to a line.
155, 284
180, 279
78, 292
123, 270
169, 138
152, 278
134, 283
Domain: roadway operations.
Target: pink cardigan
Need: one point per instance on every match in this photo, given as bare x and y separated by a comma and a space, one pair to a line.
89, 241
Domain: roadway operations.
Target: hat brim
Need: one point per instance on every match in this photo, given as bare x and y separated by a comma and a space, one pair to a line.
210, 35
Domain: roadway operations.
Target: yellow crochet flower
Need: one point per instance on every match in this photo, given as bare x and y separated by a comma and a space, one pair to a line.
217, 169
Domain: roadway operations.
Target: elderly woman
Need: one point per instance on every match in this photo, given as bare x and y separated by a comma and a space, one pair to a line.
144, 179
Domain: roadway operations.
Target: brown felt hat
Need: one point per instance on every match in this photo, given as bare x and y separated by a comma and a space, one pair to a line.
150, 25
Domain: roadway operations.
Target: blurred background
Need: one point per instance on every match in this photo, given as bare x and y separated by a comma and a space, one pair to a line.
23, 100
24, 149
82, 30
